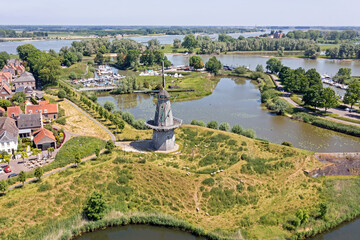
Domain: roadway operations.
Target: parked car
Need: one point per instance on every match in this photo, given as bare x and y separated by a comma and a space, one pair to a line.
1, 171
13, 175
352, 110
7, 169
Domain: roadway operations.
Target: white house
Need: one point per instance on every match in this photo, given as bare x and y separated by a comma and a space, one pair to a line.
8, 135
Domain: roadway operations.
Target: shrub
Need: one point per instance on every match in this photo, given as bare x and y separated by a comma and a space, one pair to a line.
44, 187
208, 181
108, 105
61, 121
140, 124
268, 94
224, 126
241, 70
256, 75
237, 129
198, 123
213, 125
95, 207
289, 144
61, 94
240, 187
128, 117
249, 133
109, 145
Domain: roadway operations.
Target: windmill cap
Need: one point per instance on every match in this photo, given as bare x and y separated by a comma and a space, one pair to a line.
165, 93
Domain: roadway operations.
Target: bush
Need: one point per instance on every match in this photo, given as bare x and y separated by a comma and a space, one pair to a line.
268, 94
128, 117
237, 129
61, 94
72, 76
198, 123
256, 75
44, 187
287, 144
241, 70
249, 133
213, 125
140, 124
108, 105
61, 121
208, 181
95, 207
224, 126
240, 187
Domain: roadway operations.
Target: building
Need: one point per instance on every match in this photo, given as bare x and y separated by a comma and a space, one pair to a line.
8, 135
5, 76
278, 34
9, 70
44, 139
27, 123
48, 111
14, 112
26, 90
25, 80
163, 124
5, 91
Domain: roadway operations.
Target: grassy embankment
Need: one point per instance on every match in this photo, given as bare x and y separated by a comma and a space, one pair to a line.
78, 68
256, 196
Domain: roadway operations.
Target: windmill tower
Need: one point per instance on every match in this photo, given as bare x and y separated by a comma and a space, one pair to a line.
164, 123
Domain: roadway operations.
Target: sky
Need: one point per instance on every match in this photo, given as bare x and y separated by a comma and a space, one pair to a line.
182, 13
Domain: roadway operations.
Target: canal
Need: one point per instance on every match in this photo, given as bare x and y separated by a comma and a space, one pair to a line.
237, 101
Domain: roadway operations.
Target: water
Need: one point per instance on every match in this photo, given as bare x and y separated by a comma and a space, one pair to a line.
238, 102
348, 231
327, 66
138, 232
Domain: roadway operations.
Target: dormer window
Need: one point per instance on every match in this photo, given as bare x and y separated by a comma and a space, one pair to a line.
45, 110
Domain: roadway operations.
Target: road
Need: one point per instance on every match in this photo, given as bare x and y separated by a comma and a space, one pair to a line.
340, 112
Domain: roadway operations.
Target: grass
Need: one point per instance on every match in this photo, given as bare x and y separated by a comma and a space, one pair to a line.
324, 47
131, 186
78, 68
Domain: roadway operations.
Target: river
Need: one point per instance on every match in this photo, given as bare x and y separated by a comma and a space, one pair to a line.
238, 102
138, 232
348, 231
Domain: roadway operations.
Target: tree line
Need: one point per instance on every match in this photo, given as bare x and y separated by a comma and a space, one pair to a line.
9, 33
346, 50
320, 36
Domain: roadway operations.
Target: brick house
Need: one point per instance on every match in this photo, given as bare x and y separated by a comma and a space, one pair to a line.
44, 139
6, 76
48, 111
5, 91
25, 80
14, 112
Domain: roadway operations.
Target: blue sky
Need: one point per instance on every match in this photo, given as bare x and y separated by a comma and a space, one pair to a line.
183, 12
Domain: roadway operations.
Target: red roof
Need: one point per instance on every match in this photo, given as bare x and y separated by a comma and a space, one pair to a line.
14, 111
47, 108
6, 75
41, 133
2, 109
44, 102
6, 88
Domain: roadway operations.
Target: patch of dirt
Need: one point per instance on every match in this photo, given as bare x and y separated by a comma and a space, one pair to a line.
338, 164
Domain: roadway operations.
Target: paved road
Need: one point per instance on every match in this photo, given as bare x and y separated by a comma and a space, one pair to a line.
340, 112
112, 136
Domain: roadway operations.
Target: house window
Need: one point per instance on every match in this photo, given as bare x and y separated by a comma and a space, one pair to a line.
54, 116
45, 110
30, 111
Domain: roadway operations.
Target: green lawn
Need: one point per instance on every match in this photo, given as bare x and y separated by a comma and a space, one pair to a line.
78, 68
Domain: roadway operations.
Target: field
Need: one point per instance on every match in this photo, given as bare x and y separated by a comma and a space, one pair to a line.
78, 68
256, 195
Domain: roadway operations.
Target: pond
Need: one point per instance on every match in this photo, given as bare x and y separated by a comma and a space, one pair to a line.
237, 101
348, 231
138, 232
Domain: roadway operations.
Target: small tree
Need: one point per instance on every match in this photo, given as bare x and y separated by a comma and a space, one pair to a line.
330, 98
95, 207
213, 65
109, 106
97, 152
50, 151
237, 129
109, 145
77, 159
38, 173
213, 125
61, 94
259, 68
22, 177
3, 186
323, 210
196, 62
24, 155
224, 126
7, 158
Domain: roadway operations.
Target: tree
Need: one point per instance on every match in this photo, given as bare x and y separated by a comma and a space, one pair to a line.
313, 97
190, 42
22, 177
352, 94
213, 125
5, 103
3, 186
213, 65
108, 105
196, 62
177, 43
342, 75
99, 58
95, 207
312, 51
109, 146
24, 155
302, 215
259, 68
4, 56
153, 44
241, 70
50, 150
249, 133
38, 173
72, 76
97, 152
7, 158
50, 72
61, 94
273, 65
330, 98
280, 106
237, 129
323, 210
19, 97
77, 159
224, 126
25, 51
